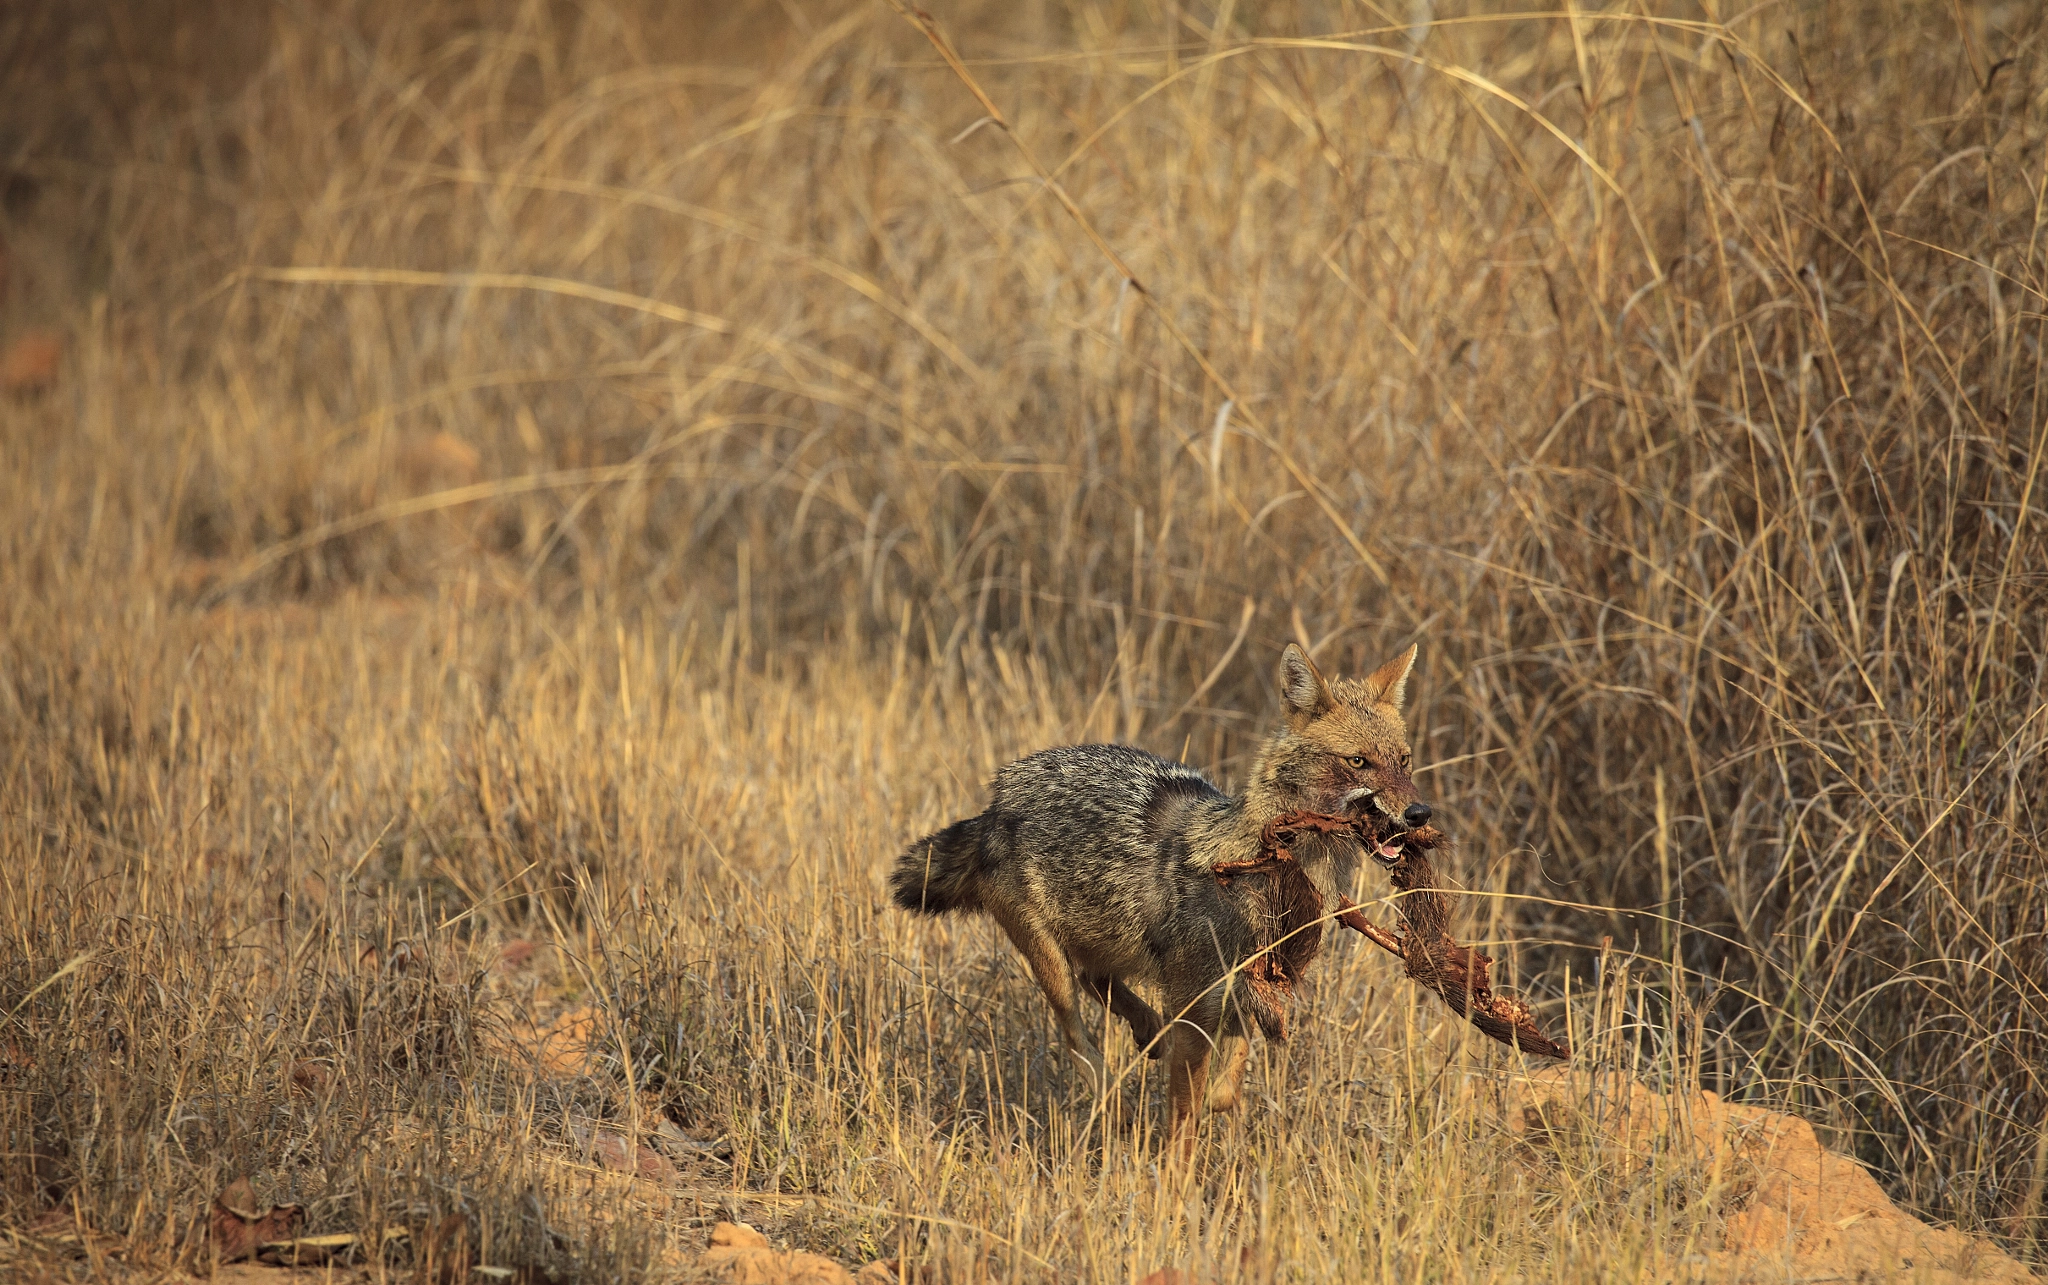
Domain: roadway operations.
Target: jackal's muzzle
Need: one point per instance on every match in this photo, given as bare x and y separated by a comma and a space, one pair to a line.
1389, 829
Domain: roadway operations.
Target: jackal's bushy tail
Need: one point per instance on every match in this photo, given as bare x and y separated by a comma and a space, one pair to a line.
941, 871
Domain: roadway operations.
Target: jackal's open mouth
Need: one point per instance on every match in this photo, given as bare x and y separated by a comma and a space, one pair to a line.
1388, 833
1387, 838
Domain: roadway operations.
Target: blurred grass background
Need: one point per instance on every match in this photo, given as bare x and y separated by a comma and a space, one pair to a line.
609, 473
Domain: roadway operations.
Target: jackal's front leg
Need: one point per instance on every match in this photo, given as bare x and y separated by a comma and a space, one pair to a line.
1187, 1071
1226, 1089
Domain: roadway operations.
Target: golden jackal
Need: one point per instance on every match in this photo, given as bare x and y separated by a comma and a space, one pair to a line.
1097, 860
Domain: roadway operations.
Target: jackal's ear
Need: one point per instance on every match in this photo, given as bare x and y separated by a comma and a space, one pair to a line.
1389, 683
1303, 690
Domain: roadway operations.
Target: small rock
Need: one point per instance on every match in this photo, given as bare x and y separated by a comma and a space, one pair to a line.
742, 1256
610, 1149
672, 1139
735, 1237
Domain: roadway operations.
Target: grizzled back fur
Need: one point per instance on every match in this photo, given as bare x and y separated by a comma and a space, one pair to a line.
1086, 807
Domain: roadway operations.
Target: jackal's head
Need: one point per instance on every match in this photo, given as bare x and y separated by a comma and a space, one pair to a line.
1345, 748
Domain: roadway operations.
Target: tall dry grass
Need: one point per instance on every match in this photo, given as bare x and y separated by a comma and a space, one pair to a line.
608, 475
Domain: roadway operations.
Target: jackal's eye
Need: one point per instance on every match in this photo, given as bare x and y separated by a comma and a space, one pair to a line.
1357, 762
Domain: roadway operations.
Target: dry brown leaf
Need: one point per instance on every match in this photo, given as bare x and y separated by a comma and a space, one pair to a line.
311, 1077
29, 364
438, 463
235, 1228
517, 954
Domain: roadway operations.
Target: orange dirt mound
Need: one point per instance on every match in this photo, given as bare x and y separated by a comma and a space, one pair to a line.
742, 1256
1800, 1211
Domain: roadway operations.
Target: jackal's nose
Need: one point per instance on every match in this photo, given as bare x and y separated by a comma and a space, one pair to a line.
1416, 815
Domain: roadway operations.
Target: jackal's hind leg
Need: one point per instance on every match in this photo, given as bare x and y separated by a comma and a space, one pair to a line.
1055, 976
1121, 1000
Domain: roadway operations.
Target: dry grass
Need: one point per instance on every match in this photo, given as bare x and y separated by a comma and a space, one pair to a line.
608, 476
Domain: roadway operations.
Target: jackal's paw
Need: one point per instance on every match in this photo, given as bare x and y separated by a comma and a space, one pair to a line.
1222, 1095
